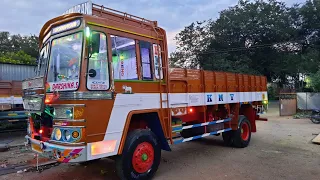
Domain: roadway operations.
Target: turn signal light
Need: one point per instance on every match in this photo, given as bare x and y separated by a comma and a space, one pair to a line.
50, 98
75, 134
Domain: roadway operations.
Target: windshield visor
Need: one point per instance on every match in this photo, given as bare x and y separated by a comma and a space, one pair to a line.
64, 67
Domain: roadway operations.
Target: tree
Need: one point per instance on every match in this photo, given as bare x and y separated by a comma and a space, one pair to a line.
18, 49
314, 81
260, 37
191, 40
19, 57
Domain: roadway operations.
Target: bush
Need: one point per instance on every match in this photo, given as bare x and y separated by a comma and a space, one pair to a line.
272, 95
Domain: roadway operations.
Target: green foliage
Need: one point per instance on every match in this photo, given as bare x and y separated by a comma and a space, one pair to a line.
17, 49
315, 81
19, 57
272, 93
255, 37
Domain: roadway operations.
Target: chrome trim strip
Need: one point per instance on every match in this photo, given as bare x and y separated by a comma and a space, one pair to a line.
33, 95
70, 120
37, 77
69, 105
69, 126
61, 142
96, 134
33, 89
89, 95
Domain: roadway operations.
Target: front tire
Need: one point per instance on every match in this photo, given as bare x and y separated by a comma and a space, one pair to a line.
141, 156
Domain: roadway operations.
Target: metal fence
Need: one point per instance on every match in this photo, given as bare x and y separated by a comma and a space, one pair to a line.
308, 101
15, 72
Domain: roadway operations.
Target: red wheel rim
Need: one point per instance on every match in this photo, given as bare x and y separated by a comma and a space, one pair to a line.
245, 131
143, 157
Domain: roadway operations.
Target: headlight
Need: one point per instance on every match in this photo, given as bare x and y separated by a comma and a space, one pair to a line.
57, 134
67, 135
63, 112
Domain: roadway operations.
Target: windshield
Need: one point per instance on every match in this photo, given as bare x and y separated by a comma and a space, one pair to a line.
43, 59
64, 67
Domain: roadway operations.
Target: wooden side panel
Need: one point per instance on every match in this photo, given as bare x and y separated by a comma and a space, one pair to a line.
9, 88
209, 81
240, 83
194, 80
246, 83
232, 84
178, 80
258, 83
221, 81
177, 74
264, 83
252, 84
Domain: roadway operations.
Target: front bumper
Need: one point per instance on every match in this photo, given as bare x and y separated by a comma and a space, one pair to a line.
63, 154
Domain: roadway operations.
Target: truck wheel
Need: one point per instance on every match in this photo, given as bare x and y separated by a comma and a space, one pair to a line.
228, 138
242, 135
141, 155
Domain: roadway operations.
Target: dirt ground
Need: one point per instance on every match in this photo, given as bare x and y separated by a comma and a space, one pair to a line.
280, 149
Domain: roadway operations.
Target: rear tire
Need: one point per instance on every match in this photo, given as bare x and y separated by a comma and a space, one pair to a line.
242, 135
228, 138
141, 156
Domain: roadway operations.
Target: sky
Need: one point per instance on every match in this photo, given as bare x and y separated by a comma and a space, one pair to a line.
28, 16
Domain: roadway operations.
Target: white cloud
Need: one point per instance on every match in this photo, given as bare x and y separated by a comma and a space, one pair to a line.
170, 40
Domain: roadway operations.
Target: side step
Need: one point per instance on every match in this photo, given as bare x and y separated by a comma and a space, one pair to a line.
201, 136
179, 128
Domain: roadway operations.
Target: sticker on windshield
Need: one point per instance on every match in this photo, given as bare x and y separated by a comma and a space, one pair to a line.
98, 85
63, 86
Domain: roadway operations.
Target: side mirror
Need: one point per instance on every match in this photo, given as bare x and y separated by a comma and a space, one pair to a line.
92, 73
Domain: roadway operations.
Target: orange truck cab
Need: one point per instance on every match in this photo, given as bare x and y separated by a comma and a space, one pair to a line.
104, 89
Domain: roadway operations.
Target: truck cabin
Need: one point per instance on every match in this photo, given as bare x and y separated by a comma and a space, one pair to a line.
81, 57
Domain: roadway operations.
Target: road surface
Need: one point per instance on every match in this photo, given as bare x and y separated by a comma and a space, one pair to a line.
280, 149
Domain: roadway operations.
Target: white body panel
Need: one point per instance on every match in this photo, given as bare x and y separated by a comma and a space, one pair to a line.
125, 103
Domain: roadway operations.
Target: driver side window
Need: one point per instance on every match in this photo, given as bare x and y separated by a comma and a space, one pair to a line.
98, 75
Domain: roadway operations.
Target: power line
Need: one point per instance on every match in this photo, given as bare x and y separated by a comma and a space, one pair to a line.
244, 48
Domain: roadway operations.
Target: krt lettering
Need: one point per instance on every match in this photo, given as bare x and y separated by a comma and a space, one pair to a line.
209, 98
231, 96
220, 97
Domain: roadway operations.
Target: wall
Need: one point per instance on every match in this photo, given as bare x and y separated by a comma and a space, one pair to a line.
308, 101
15, 72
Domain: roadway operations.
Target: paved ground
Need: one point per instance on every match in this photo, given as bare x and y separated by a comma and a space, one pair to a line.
281, 149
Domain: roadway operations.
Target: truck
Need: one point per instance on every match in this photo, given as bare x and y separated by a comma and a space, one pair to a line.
11, 106
104, 89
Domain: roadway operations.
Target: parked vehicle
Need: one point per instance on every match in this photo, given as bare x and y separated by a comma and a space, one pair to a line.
315, 116
107, 91
11, 106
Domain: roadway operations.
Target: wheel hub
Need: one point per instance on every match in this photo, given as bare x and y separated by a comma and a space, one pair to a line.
143, 157
245, 131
